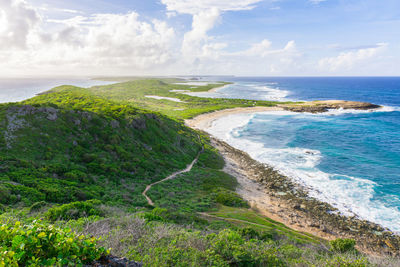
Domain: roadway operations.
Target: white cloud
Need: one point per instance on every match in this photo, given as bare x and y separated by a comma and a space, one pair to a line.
348, 60
101, 43
275, 8
197, 45
316, 2
195, 40
262, 59
197, 6
17, 21
123, 44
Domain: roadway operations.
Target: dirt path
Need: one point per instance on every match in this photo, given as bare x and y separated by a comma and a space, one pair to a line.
172, 176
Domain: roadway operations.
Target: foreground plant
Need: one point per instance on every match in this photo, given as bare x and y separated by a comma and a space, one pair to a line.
38, 244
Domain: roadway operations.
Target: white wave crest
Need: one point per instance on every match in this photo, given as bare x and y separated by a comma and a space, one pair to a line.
342, 111
350, 195
273, 94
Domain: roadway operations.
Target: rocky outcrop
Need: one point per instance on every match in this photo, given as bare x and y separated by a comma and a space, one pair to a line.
323, 106
112, 261
16, 120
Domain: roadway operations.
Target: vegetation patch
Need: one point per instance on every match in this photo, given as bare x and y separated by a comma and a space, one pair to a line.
75, 210
39, 244
229, 198
343, 245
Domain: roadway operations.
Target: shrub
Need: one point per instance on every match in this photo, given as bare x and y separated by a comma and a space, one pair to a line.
75, 175
236, 251
345, 262
251, 233
2, 208
229, 198
157, 214
172, 256
74, 210
342, 245
45, 245
37, 206
5, 195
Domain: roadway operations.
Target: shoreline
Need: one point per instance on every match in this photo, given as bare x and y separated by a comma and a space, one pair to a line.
279, 198
205, 120
215, 89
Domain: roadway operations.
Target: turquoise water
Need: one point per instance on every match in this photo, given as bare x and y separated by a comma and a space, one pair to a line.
350, 159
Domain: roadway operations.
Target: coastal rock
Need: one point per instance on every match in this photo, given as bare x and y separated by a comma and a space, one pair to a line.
112, 261
323, 106
52, 116
114, 124
139, 124
152, 116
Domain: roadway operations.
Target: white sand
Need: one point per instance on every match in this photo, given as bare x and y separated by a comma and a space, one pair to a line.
164, 98
204, 121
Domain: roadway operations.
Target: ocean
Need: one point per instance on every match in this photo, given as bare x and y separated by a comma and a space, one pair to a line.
18, 89
348, 158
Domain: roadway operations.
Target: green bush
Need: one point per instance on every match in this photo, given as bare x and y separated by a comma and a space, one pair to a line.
37, 206
172, 256
157, 214
236, 251
229, 198
345, 262
2, 208
5, 195
45, 245
74, 210
251, 233
342, 245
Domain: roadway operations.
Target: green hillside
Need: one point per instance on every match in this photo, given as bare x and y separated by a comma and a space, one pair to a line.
85, 147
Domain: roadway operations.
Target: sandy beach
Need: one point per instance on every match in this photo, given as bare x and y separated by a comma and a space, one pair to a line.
213, 90
203, 121
278, 197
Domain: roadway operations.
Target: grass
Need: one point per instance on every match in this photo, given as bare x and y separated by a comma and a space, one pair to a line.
259, 221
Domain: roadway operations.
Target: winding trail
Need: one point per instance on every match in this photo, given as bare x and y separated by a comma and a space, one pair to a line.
172, 176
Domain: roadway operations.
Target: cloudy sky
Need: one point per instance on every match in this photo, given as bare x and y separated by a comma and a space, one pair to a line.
219, 37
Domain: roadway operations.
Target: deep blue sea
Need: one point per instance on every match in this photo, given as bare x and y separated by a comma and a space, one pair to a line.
350, 159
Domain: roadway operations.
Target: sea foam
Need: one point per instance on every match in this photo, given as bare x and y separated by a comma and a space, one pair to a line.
350, 195
269, 92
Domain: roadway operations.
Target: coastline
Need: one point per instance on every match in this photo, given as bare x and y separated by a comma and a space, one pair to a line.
215, 89
278, 197
203, 121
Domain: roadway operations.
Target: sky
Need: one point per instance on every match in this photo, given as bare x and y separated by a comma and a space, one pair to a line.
200, 37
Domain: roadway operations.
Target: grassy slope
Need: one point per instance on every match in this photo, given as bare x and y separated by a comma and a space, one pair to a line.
104, 146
